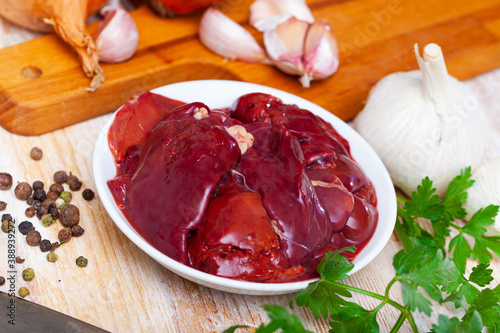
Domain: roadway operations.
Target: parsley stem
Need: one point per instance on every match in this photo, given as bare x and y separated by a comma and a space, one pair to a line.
401, 199
399, 322
403, 237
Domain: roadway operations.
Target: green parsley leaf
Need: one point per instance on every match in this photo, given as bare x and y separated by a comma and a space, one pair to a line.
447, 325
325, 295
487, 304
353, 318
282, 321
233, 329
456, 195
424, 203
481, 275
414, 299
461, 251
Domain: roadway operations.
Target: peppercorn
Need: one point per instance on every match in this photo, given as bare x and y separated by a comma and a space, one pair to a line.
54, 212
23, 292
40, 195
77, 231
48, 204
52, 257
57, 188
30, 212
7, 226
74, 183
36, 205
5, 181
30, 201
66, 196
28, 274
3, 205
82, 261
23, 191
19, 260
2, 281
45, 245
47, 220
70, 215
54, 246
41, 212
37, 185
88, 194
60, 203
33, 238
64, 235
52, 195
25, 227
36, 153
7, 217
60, 177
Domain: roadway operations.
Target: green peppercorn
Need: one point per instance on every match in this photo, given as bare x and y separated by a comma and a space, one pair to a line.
60, 203
47, 220
7, 226
52, 257
82, 261
23, 292
28, 274
66, 196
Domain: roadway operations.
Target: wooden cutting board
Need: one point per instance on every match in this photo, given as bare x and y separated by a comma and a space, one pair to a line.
375, 37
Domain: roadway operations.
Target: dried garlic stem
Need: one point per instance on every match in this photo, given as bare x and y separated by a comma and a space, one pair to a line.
435, 78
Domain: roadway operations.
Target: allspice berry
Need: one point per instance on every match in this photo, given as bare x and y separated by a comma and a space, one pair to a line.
5, 181
23, 191
70, 216
64, 235
38, 185
33, 238
60, 177
57, 188
30, 212
36, 153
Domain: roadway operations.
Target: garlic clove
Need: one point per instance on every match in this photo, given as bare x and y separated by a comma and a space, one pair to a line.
117, 36
321, 54
267, 14
285, 45
225, 37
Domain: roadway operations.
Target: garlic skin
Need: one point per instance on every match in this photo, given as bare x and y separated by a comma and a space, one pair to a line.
424, 123
225, 37
117, 36
267, 14
299, 48
485, 192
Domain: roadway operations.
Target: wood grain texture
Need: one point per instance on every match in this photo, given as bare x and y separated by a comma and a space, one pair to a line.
124, 290
375, 37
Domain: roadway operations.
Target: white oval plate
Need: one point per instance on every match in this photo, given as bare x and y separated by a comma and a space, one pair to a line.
219, 94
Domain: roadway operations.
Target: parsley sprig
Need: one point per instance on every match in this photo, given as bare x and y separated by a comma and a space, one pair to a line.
431, 266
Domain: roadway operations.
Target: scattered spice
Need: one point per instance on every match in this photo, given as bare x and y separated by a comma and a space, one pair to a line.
19, 260
5, 181
47, 220
54, 212
70, 215
57, 188
33, 238
60, 203
45, 245
54, 246
40, 195
74, 183
37, 185
52, 257
7, 217
77, 230
30, 212
60, 177
36, 153
66, 196
3, 205
41, 212
30, 201
82, 261
88, 194
23, 292
28, 274
36, 205
7, 226
23, 191
25, 227
64, 235
52, 195
2, 280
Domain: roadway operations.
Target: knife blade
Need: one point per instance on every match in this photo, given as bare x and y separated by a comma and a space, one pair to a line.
23, 316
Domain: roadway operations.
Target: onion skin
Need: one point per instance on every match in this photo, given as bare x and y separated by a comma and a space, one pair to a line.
169, 8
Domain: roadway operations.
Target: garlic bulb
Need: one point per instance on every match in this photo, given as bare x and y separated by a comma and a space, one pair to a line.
424, 123
485, 192
228, 39
117, 36
267, 14
299, 48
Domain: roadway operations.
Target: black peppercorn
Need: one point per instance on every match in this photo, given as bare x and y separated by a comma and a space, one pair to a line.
60, 177
5, 181
77, 231
25, 227
30, 201
54, 212
52, 195
45, 245
2, 280
57, 188
64, 235
36, 205
41, 212
38, 185
54, 246
7, 217
40, 195
88, 194
23, 191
